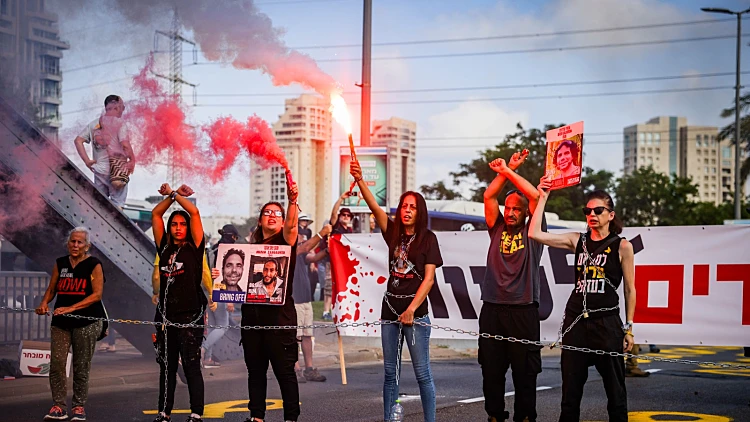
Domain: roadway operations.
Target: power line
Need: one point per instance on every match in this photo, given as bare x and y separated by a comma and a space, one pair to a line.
121, 59
535, 50
518, 36
498, 99
491, 87
78, 88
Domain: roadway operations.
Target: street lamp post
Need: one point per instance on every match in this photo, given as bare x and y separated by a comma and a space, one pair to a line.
737, 166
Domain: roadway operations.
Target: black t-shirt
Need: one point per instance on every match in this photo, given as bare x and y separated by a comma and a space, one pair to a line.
512, 275
591, 277
185, 300
254, 314
306, 232
405, 279
73, 286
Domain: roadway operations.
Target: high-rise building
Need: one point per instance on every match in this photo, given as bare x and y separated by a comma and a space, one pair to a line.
670, 146
304, 133
30, 42
400, 137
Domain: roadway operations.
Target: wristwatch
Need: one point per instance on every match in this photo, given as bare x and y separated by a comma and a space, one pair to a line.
627, 328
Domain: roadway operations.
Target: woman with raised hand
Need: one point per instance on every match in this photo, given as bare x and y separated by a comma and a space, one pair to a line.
78, 282
592, 315
414, 255
279, 347
181, 250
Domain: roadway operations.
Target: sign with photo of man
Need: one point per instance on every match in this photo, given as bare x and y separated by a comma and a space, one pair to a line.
251, 273
564, 155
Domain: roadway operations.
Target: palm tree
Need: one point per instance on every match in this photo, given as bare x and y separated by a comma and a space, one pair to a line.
727, 132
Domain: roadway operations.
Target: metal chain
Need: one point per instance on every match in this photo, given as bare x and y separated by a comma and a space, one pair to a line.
416, 322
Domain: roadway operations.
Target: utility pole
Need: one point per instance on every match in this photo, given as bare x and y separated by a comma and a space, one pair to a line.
364, 133
174, 171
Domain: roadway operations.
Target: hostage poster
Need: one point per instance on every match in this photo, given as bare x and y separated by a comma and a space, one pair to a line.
564, 155
256, 274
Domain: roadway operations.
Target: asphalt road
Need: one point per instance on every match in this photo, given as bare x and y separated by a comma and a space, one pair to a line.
673, 392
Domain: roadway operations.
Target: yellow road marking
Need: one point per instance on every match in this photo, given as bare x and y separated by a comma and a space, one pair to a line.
218, 410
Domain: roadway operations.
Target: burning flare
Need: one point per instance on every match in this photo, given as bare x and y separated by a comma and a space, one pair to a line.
340, 112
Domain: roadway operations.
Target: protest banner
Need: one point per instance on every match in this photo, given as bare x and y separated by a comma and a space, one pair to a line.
692, 284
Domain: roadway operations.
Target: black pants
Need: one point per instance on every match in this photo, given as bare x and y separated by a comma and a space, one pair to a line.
496, 356
279, 347
606, 334
185, 343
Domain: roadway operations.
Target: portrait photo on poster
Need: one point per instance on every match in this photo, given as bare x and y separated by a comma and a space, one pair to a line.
233, 263
268, 280
564, 155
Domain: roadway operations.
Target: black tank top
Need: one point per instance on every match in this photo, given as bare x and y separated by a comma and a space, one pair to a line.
592, 275
73, 286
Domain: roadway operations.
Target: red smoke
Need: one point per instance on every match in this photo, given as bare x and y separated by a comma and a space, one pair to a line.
229, 137
159, 124
158, 121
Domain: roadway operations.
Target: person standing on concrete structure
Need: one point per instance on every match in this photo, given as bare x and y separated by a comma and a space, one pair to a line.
112, 159
510, 296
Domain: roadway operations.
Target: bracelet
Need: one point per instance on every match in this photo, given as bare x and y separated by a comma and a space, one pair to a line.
173, 195
630, 333
318, 234
357, 180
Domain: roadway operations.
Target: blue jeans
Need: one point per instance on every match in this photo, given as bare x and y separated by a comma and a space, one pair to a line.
218, 317
420, 359
117, 196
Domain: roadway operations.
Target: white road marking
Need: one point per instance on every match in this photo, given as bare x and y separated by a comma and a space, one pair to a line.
508, 394
651, 371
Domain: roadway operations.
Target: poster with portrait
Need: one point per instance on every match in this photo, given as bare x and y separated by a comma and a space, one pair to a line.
252, 274
564, 155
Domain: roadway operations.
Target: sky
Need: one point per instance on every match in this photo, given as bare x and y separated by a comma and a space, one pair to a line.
452, 125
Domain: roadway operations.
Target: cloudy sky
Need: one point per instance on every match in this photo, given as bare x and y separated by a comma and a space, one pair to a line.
109, 45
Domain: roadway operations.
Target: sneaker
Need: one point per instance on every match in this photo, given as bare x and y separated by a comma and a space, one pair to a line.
78, 414
194, 419
311, 374
210, 363
636, 373
162, 418
494, 419
57, 413
300, 377
327, 316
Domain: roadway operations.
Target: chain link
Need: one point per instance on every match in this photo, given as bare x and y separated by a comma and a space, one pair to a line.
416, 322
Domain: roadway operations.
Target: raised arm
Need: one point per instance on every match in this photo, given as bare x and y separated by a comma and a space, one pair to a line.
562, 241
314, 241
196, 225
627, 260
292, 215
491, 204
336, 206
380, 216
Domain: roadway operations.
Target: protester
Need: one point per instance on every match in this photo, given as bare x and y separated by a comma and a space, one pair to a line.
602, 261
510, 295
279, 347
302, 296
414, 255
304, 226
112, 159
180, 299
73, 298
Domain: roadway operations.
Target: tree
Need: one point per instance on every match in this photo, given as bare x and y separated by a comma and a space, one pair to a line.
438, 190
649, 198
727, 132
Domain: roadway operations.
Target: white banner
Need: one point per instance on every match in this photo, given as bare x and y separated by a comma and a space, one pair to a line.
692, 284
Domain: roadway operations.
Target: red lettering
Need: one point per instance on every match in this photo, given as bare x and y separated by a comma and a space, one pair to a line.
734, 273
674, 276
700, 280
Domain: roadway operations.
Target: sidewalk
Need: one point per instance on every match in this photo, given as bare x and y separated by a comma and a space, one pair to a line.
127, 366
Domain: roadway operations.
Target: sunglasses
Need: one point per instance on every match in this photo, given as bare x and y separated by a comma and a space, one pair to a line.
346, 214
597, 210
275, 213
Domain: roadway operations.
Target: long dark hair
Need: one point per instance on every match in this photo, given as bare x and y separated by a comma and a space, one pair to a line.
615, 226
257, 236
420, 225
189, 234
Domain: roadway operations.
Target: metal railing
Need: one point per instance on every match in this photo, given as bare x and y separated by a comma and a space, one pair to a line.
24, 289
